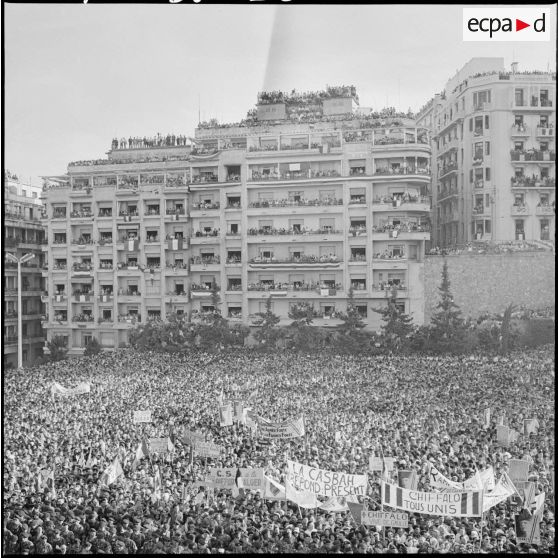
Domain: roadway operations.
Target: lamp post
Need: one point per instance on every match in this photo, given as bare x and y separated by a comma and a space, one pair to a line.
19, 261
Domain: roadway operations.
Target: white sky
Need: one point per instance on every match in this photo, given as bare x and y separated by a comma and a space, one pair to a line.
78, 75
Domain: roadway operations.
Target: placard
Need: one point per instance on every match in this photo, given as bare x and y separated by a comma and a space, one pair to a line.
142, 416
385, 519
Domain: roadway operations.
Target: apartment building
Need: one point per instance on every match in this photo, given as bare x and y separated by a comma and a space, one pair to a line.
493, 145
303, 200
23, 234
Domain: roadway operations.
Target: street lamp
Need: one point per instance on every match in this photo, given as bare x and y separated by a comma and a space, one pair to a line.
19, 261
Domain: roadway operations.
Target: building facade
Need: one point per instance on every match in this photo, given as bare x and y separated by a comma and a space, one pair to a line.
302, 201
23, 234
493, 152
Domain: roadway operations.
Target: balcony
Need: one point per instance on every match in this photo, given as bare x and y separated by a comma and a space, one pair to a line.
82, 214
482, 106
125, 267
533, 155
83, 319
545, 210
399, 172
204, 261
292, 233
129, 296
152, 213
82, 297
175, 297
83, 270
293, 290
204, 207
406, 203
519, 210
79, 191
60, 298
295, 263
481, 211
105, 298
129, 319
105, 321
128, 216
172, 214
272, 204
447, 169
519, 131
256, 176
387, 289
204, 179
532, 182
545, 132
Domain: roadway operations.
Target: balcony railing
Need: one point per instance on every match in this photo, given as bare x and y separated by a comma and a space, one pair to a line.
201, 205
402, 171
234, 287
105, 213
532, 155
129, 318
196, 260
311, 260
302, 175
290, 232
296, 287
519, 130
59, 215
82, 318
152, 213
233, 261
203, 234
82, 241
544, 131
173, 211
292, 203
402, 228
398, 201
152, 239
520, 209
83, 214
122, 292
198, 288
82, 267
358, 231
448, 168
532, 182
204, 179
387, 287
545, 209
479, 183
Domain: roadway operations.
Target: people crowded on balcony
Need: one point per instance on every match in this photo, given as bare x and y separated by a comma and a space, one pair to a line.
84, 212
291, 286
302, 258
533, 181
200, 149
206, 205
204, 260
211, 232
389, 284
204, 287
205, 177
82, 317
272, 231
176, 265
390, 255
289, 202
170, 140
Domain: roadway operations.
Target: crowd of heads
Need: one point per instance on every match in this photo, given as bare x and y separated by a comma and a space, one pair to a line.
419, 410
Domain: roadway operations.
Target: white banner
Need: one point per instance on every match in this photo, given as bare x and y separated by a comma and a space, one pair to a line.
325, 483
251, 479
83, 387
142, 416
207, 449
385, 519
451, 504
282, 431
159, 445
222, 477
375, 463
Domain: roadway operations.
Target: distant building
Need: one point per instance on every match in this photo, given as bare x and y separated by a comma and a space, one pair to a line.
301, 201
23, 233
494, 151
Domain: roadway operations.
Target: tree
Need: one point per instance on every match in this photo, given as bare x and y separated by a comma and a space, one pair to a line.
302, 314
448, 327
92, 348
397, 325
58, 348
352, 320
506, 330
174, 335
351, 338
304, 337
267, 333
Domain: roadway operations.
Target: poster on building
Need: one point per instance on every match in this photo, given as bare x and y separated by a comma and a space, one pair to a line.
450, 504
325, 483
385, 519
142, 416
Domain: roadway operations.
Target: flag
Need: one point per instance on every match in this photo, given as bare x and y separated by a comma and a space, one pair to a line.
356, 511
303, 499
176, 244
488, 480
112, 472
474, 483
225, 415
335, 504
487, 417
103, 447
45, 479
157, 483
90, 462
273, 490
530, 426
171, 444
141, 453
132, 244
81, 460
407, 479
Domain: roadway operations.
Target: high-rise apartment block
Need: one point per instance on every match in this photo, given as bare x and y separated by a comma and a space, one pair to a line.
493, 153
306, 198
23, 234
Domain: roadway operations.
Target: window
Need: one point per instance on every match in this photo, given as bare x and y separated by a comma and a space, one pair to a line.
486, 122
544, 146
545, 229
362, 309
518, 121
487, 227
487, 173
327, 225
519, 229
487, 148
518, 145
400, 306
179, 288
519, 98
234, 228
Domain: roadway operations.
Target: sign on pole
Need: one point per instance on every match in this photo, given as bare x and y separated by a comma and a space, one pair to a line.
385, 519
142, 416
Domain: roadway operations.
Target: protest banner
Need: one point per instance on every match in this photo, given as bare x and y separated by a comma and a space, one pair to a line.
238, 408
325, 483
190, 437
519, 470
223, 477
528, 528
451, 504
503, 435
385, 519
142, 416
503, 490
282, 431
487, 417
158, 445
207, 449
83, 387
442, 483
530, 426
225, 415
375, 463
273, 490
302, 498
251, 479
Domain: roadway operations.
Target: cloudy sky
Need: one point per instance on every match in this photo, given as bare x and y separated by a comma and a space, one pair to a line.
78, 75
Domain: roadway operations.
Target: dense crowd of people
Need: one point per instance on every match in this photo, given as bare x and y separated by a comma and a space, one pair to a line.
418, 410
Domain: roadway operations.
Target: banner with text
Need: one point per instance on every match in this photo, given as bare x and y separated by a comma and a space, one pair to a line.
385, 519
207, 449
283, 430
325, 483
142, 416
451, 504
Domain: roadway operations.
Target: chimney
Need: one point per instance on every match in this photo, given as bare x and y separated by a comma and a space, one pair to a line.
514, 67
